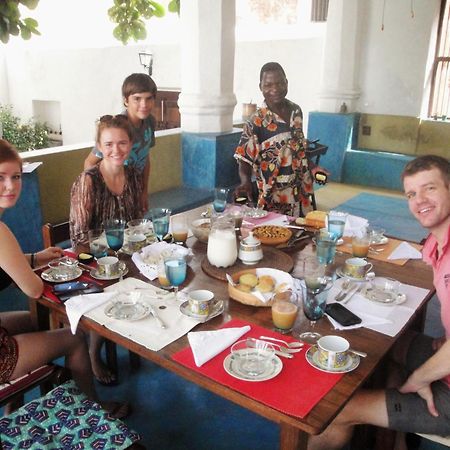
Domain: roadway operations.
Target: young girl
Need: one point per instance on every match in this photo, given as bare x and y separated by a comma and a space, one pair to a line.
109, 190
22, 349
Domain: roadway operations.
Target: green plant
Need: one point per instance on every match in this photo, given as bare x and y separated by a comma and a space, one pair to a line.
130, 15
11, 22
24, 136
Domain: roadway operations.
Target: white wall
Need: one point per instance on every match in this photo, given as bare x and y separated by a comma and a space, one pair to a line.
393, 61
87, 81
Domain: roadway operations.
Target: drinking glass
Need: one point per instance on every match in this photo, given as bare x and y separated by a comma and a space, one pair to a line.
314, 301
361, 244
220, 199
336, 223
325, 247
114, 229
284, 311
97, 242
179, 228
176, 267
160, 219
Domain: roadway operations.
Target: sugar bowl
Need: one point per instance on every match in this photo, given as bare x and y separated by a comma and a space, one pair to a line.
250, 250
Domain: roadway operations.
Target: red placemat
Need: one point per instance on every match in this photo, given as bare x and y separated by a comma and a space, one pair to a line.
295, 391
48, 287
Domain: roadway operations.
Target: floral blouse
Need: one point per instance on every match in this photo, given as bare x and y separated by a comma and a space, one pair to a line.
92, 203
275, 150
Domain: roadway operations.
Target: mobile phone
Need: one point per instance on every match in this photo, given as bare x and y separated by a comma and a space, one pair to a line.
342, 315
70, 286
92, 289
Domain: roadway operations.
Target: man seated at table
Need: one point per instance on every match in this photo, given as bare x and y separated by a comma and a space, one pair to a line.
272, 148
422, 403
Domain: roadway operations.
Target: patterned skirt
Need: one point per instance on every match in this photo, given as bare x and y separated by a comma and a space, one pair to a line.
9, 353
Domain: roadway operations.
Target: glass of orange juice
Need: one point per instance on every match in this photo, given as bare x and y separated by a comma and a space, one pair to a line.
179, 228
360, 245
162, 277
284, 312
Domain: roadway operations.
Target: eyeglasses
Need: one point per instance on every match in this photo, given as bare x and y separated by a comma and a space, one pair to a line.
117, 119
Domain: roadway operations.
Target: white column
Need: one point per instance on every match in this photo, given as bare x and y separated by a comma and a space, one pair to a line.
207, 100
340, 73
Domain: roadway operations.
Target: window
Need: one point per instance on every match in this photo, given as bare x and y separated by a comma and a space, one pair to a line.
440, 83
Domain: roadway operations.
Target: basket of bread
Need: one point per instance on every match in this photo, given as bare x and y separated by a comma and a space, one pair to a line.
257, 287
313, 219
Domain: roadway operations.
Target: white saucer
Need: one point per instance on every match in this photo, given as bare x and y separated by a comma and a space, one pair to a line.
218, 309
382, 297
384, 240
54, 275
123, 270
340, 273
127, 310
273, 369
256, 213
312, 357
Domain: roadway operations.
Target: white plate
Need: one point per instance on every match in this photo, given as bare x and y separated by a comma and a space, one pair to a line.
273, 369
256, 213
312, 357
384, 240
123, 270
127, 310
54, 275
340, 273
218, 309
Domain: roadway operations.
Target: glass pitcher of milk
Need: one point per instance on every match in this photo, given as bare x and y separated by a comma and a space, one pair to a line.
222, 245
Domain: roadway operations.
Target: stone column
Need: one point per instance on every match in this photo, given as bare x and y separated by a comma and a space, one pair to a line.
207, 100
340, 73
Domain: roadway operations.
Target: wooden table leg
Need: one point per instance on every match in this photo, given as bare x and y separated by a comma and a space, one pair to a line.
292, 438
39, 315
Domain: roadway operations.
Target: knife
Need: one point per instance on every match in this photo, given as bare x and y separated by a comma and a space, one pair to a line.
284, 354
155, 315
351, 294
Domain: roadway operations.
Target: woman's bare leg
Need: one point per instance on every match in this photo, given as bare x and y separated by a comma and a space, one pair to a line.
101, 372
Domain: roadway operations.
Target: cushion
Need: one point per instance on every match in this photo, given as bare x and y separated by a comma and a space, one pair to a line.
64, 418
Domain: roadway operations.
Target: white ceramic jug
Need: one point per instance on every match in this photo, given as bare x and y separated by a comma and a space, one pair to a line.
222, 246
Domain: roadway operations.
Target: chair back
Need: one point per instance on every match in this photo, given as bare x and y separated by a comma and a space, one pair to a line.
56, 234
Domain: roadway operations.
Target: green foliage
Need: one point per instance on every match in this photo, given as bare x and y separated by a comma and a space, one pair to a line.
11, 23
130, 15
24, 136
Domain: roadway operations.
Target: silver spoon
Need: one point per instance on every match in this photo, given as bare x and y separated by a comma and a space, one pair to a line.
289, 345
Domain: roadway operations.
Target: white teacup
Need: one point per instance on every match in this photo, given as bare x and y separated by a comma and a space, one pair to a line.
332, 351
108, 266
357, 267
201, 302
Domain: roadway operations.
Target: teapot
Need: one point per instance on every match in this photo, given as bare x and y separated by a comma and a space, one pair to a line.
222, 246
250, 250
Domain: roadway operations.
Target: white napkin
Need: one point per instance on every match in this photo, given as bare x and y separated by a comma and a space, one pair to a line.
81, 304
147, 259
354, 225
405, 251
207, 344
367, 320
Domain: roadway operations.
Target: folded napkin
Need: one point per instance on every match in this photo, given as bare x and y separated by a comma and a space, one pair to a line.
147, 259
81, 304
354, 225
405, 251
367, 320
207, 344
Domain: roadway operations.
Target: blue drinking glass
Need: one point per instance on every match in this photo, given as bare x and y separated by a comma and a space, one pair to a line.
220, 199
325, 247
114, 230
160, 220
176, 269
336, 223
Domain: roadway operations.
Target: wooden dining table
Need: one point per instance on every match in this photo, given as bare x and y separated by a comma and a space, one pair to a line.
293, 431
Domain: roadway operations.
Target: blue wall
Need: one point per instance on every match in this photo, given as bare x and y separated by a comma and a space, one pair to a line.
208, 159
25, 219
